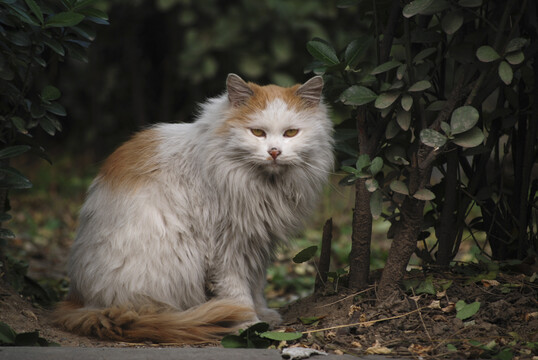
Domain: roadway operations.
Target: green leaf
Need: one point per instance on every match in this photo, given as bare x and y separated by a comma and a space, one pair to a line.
95, 15
400, 72
350, 169
50, 93
426, 287
56, 109
233, 342
416, 7
19, 38
19, 124
305, 255
437, 105
10, 178
432, 138
399, 187
446, 128
396, 154
376, 204
487, 54
452, 22
281, 336
505, 72
356, 50
463, 119
389, 65
376, 165
323, 52
386, 99
504, 354
77, 52
357, 95
47, 125
407, 102
7, 335
420, 86
64, 19
470, 3
392, 129
470, 138
23, 15
309, 320
451, 348
81, 4
515, 58
465, 311
35, 9
362, 161
424, 194
404, 119
371, 184
55, 46
13, 151
424, 54
515, 44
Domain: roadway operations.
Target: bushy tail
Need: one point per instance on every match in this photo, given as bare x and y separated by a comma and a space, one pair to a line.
160, 324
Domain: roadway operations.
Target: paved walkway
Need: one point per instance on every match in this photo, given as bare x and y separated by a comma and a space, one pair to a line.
77, 353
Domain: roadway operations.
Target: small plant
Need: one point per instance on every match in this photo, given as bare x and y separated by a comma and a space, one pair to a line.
257, 336
8, 337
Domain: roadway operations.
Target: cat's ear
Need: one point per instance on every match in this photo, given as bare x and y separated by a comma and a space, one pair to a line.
311, 90
238, 90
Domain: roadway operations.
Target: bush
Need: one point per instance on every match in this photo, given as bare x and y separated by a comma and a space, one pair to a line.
35, 37
445, 86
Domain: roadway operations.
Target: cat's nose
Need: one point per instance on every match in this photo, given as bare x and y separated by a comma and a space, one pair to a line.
274, 152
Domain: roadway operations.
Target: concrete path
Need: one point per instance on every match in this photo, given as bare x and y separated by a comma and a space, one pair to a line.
77, 353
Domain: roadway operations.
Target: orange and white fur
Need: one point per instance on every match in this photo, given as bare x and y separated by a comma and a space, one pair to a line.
182, 220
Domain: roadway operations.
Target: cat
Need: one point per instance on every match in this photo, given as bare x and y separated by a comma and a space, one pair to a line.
180, 223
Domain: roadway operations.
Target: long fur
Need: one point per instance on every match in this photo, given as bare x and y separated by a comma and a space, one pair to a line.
157, 323
183, 213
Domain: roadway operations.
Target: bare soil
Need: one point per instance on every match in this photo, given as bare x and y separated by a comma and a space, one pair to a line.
426, 325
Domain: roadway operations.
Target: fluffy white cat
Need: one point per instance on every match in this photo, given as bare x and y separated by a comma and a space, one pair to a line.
182, 220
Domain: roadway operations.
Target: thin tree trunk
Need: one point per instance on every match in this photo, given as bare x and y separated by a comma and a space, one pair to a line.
403, 246
359, 257
407, 230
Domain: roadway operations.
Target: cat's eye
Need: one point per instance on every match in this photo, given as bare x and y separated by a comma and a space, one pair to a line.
291, 132
258, 132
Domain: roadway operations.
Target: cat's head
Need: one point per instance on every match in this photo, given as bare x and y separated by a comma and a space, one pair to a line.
273, 127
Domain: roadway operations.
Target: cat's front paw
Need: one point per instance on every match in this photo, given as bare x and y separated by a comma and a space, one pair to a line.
270, 316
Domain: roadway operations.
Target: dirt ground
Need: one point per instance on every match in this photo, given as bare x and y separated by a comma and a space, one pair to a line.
425, 325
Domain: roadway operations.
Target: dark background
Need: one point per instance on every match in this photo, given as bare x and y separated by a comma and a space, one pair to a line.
158, 59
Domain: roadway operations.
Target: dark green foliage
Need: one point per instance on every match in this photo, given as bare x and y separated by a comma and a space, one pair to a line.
257, 336
35, 36
8, 337
305, 254
446, 87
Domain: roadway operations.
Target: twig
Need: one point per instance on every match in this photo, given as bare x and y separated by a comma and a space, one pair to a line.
370, 322
325, 256
421, 319
347, 297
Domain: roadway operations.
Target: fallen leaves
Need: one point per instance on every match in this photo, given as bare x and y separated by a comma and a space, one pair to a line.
378, 349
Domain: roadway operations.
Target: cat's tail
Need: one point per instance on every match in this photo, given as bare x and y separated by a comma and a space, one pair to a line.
160, 324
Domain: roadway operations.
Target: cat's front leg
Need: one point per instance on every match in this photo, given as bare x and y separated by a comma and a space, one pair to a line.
270, 316
229, 283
